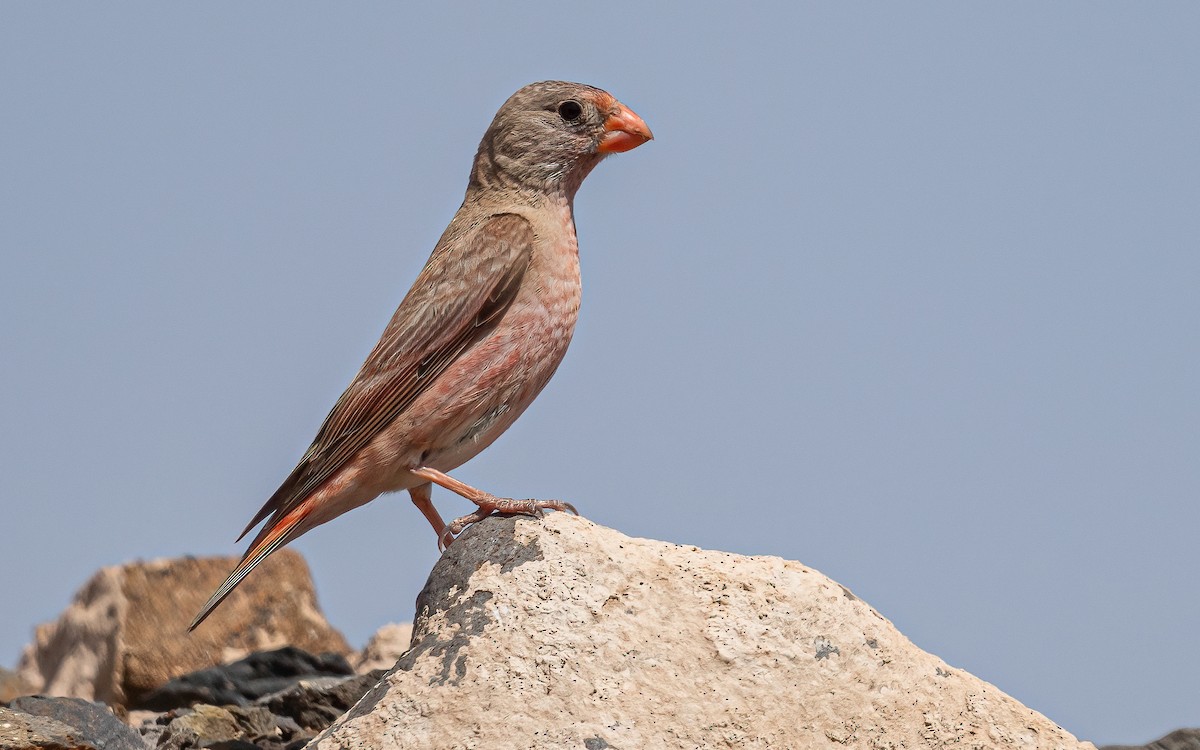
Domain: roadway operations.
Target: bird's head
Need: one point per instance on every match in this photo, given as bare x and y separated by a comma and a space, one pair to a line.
549, 135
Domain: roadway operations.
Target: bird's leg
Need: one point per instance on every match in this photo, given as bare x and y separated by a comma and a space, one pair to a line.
421, 498
487, 502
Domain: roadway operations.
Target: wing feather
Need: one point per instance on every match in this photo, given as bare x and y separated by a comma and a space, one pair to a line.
462, 293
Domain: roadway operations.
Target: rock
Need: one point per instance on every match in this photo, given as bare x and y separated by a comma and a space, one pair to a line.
562, 634
90, 723
385, 647
13, 685
125, 634
244, 681
22, 731
313, 704
294, 694
1180, 739
76, 656
283, 721
228, 727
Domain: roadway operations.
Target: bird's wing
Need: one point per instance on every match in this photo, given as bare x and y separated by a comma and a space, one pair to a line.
469, 282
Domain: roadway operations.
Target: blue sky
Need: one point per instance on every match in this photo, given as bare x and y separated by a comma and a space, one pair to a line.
905, 292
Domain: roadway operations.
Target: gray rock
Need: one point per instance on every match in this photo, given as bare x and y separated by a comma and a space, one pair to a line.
1180, 739
314, 704
246, 680
562, 634
283, 720
228, 727
92, 723
22, 731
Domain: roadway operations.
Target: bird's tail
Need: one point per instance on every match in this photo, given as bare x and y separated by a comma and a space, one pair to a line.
272, 536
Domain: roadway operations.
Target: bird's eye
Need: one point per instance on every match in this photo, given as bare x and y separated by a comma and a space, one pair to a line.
570, 110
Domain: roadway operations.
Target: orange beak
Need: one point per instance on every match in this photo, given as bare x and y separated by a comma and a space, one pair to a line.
624, 131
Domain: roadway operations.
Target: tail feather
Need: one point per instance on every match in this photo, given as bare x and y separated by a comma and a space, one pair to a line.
272, 537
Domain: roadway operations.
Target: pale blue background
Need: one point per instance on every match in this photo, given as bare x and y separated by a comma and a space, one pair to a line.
907, 292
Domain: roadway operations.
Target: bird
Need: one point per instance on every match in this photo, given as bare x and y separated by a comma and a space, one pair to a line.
476, 338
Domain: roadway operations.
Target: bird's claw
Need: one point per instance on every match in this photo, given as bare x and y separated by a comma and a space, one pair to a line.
445, 539
502, 506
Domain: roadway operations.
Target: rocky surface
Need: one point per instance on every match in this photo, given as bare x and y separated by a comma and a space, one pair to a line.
226, 727
93, 721
314, 704
1180, 739
550, 634
125, 633
19, 730
288, 718
275, 700
562, 634
39, 722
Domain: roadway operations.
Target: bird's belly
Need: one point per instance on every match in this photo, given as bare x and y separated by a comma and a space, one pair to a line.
500, 377
477, 397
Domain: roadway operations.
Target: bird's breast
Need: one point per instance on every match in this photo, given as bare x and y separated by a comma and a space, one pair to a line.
493, 383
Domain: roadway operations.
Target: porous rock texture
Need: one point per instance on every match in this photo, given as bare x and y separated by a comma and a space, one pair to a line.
126, 631
562, 634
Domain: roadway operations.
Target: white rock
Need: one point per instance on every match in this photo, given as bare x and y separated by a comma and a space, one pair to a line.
384, 648
563, 634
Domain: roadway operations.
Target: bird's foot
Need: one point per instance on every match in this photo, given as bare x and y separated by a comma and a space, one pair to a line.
506, 506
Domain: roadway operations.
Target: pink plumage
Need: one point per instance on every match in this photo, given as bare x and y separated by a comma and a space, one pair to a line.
476, 338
